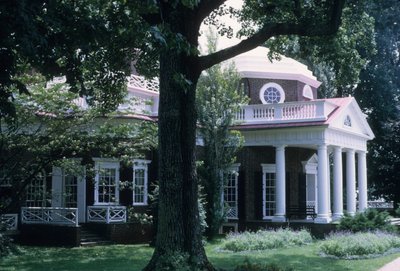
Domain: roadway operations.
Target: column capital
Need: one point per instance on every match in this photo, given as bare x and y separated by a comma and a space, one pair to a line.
322, 147
360, 152
280, 146
350, 151
337, 148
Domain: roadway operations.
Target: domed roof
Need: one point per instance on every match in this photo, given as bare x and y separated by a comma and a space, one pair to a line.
255, 64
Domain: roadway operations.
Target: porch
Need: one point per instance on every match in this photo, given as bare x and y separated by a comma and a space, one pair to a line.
69, 216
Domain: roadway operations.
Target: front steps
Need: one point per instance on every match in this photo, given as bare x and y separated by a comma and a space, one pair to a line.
90, 238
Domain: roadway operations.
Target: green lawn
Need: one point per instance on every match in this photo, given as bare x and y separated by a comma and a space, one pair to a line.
134, 257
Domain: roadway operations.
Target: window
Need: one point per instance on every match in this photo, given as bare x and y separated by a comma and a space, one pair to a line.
231, 192
272, 93
36, 192
107, 182
347, 121
140, 179
71, 191
307, 92
269, 178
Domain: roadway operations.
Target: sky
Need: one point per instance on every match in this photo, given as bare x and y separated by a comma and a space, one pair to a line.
224, 42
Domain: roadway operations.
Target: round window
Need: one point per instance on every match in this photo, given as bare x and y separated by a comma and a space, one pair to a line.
272, 93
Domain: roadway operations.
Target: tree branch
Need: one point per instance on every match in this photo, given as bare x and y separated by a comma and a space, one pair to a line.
303, 28
206, 7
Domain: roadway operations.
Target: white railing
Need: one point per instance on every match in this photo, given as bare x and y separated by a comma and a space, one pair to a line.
106, 214
139, 82
10, 221
49, 215
285, 112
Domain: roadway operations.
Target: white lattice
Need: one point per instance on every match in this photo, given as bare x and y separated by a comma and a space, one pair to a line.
10, 221
106, 214
140, 82
49, 215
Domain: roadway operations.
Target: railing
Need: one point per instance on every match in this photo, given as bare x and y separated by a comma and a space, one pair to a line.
106, 214
136, 81
285, 112
10, 221
49, 215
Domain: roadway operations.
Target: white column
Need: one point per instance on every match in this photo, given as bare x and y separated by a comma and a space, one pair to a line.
280, 185
362, 181
328, 178
323, 209
337, 183
351, 182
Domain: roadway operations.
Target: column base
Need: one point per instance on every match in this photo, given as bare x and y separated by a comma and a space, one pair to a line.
323, 220
278, 218
337, 216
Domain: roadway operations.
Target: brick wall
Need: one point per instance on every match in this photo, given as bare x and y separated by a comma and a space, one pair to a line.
251, 159
293, 89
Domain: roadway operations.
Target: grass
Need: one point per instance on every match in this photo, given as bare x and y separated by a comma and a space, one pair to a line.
135, 257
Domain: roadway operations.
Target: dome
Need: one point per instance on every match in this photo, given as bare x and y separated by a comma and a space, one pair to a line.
255, 64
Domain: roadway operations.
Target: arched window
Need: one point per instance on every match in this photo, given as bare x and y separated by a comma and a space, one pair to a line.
307, 92
272, 93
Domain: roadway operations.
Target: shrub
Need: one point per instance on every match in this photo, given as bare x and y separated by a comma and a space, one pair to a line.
263, 240
247, 266
6, 245
355, 245
370, 220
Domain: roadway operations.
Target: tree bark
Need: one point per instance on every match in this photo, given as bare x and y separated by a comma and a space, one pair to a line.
179, 238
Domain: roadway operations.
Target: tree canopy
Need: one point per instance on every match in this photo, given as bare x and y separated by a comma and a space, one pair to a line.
92, 43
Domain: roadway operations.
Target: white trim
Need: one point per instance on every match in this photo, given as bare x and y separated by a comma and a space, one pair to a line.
267, 168
234, 169
106, 164
271, 85
140, 164
307, 92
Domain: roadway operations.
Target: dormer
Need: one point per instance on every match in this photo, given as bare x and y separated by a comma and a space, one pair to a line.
277, 81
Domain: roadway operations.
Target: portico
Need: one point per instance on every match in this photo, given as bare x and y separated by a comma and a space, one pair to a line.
336, 167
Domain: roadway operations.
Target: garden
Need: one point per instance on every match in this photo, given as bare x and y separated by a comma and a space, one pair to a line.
364, 242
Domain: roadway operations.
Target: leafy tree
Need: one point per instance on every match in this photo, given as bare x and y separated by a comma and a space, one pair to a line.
218, 101
92, 40
336, 60
49, 126
378, 94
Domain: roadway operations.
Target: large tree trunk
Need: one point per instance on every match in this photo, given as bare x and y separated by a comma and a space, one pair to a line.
179, 239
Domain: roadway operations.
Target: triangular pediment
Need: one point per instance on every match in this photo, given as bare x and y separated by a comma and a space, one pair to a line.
352, 120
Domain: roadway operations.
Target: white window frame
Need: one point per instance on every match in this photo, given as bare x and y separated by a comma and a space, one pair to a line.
267, 168
265, 87
36, 187
140, 164
106, 164
233, 170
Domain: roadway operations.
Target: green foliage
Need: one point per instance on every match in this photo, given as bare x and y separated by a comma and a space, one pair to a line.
264, 240
49, 128
141, 218
248, 266
369, 220
354, 245
336, 60
7, 246
218, 100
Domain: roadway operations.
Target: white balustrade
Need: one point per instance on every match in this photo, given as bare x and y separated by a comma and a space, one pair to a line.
285, 112
106, 214
139, 82
10, 221
49, 215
